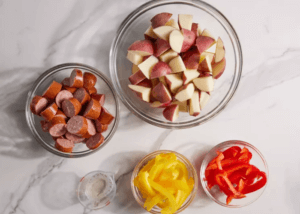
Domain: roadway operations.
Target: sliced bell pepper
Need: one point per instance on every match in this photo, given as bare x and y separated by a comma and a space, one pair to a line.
165, 193
151, 202
231, 152
148, 166
239, 188
245, 155
236, 167
225, 162
218, 161
164, 203
257, 185
144, 183
229, 188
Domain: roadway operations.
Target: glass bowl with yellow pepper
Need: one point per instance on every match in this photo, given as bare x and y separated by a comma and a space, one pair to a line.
164, 182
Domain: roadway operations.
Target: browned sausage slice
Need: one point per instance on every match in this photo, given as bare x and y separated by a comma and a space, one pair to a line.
59, 113
92, 90
74, 138
71, 107
58, 127
99, 97
100, 127
89, 80
93, 109
95, 141
45, 125
52, 90
76, 79
77, 125
82, 95
70, 89
61, 96
64, 145
105, 117
66, 82
38, 104
49, 112
91, 129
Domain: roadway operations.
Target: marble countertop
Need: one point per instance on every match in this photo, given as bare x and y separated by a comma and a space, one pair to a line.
36, 35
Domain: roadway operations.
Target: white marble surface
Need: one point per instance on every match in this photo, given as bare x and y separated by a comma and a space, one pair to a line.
36, 35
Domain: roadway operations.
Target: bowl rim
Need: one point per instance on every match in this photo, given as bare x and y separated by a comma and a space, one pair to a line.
220, 146
237, 71
152, 155
47, 74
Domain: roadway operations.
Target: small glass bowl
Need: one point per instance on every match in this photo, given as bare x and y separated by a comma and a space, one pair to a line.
219, 197
191, 170
58, 73
133, 28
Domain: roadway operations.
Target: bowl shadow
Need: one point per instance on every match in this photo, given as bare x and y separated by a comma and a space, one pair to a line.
17, 140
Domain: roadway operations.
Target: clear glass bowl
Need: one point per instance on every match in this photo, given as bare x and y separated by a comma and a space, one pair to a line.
219, 197
96, 190
58, 73
133, 28
191, 170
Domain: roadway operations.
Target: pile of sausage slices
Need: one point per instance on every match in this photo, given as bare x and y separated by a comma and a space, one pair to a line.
73, 111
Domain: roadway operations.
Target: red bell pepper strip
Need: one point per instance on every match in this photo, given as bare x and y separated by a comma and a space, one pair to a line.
257, 185
236, 167
252, 169
232, 152
218, 160
225, 162
229, 188
213, 160
245, 154
239, 188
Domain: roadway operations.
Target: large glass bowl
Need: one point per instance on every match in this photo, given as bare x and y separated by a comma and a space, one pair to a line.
133, 28
190, 168
58, 73
219, 197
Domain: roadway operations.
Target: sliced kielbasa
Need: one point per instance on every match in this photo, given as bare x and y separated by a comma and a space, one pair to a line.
77, 125
92, 90
75, 139
93, 109
61, 96
89, 80
71, 107
66, 82
99, 97
57, 127
45, 125
52, 90
70, 89
59, 113
95, 141
100, 127
49, 112
82, 95
76, 79
64, 145
91, 130
38, 104
105, 117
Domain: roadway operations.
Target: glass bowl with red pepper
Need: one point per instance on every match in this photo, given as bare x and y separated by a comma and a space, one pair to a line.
234, 174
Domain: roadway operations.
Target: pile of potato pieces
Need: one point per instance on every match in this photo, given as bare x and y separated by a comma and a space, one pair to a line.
176, 64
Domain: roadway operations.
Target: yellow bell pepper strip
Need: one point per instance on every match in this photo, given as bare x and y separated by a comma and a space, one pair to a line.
163, 204
152, 201
176, 184
165, 193
144, 183
148, 166
182, 169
